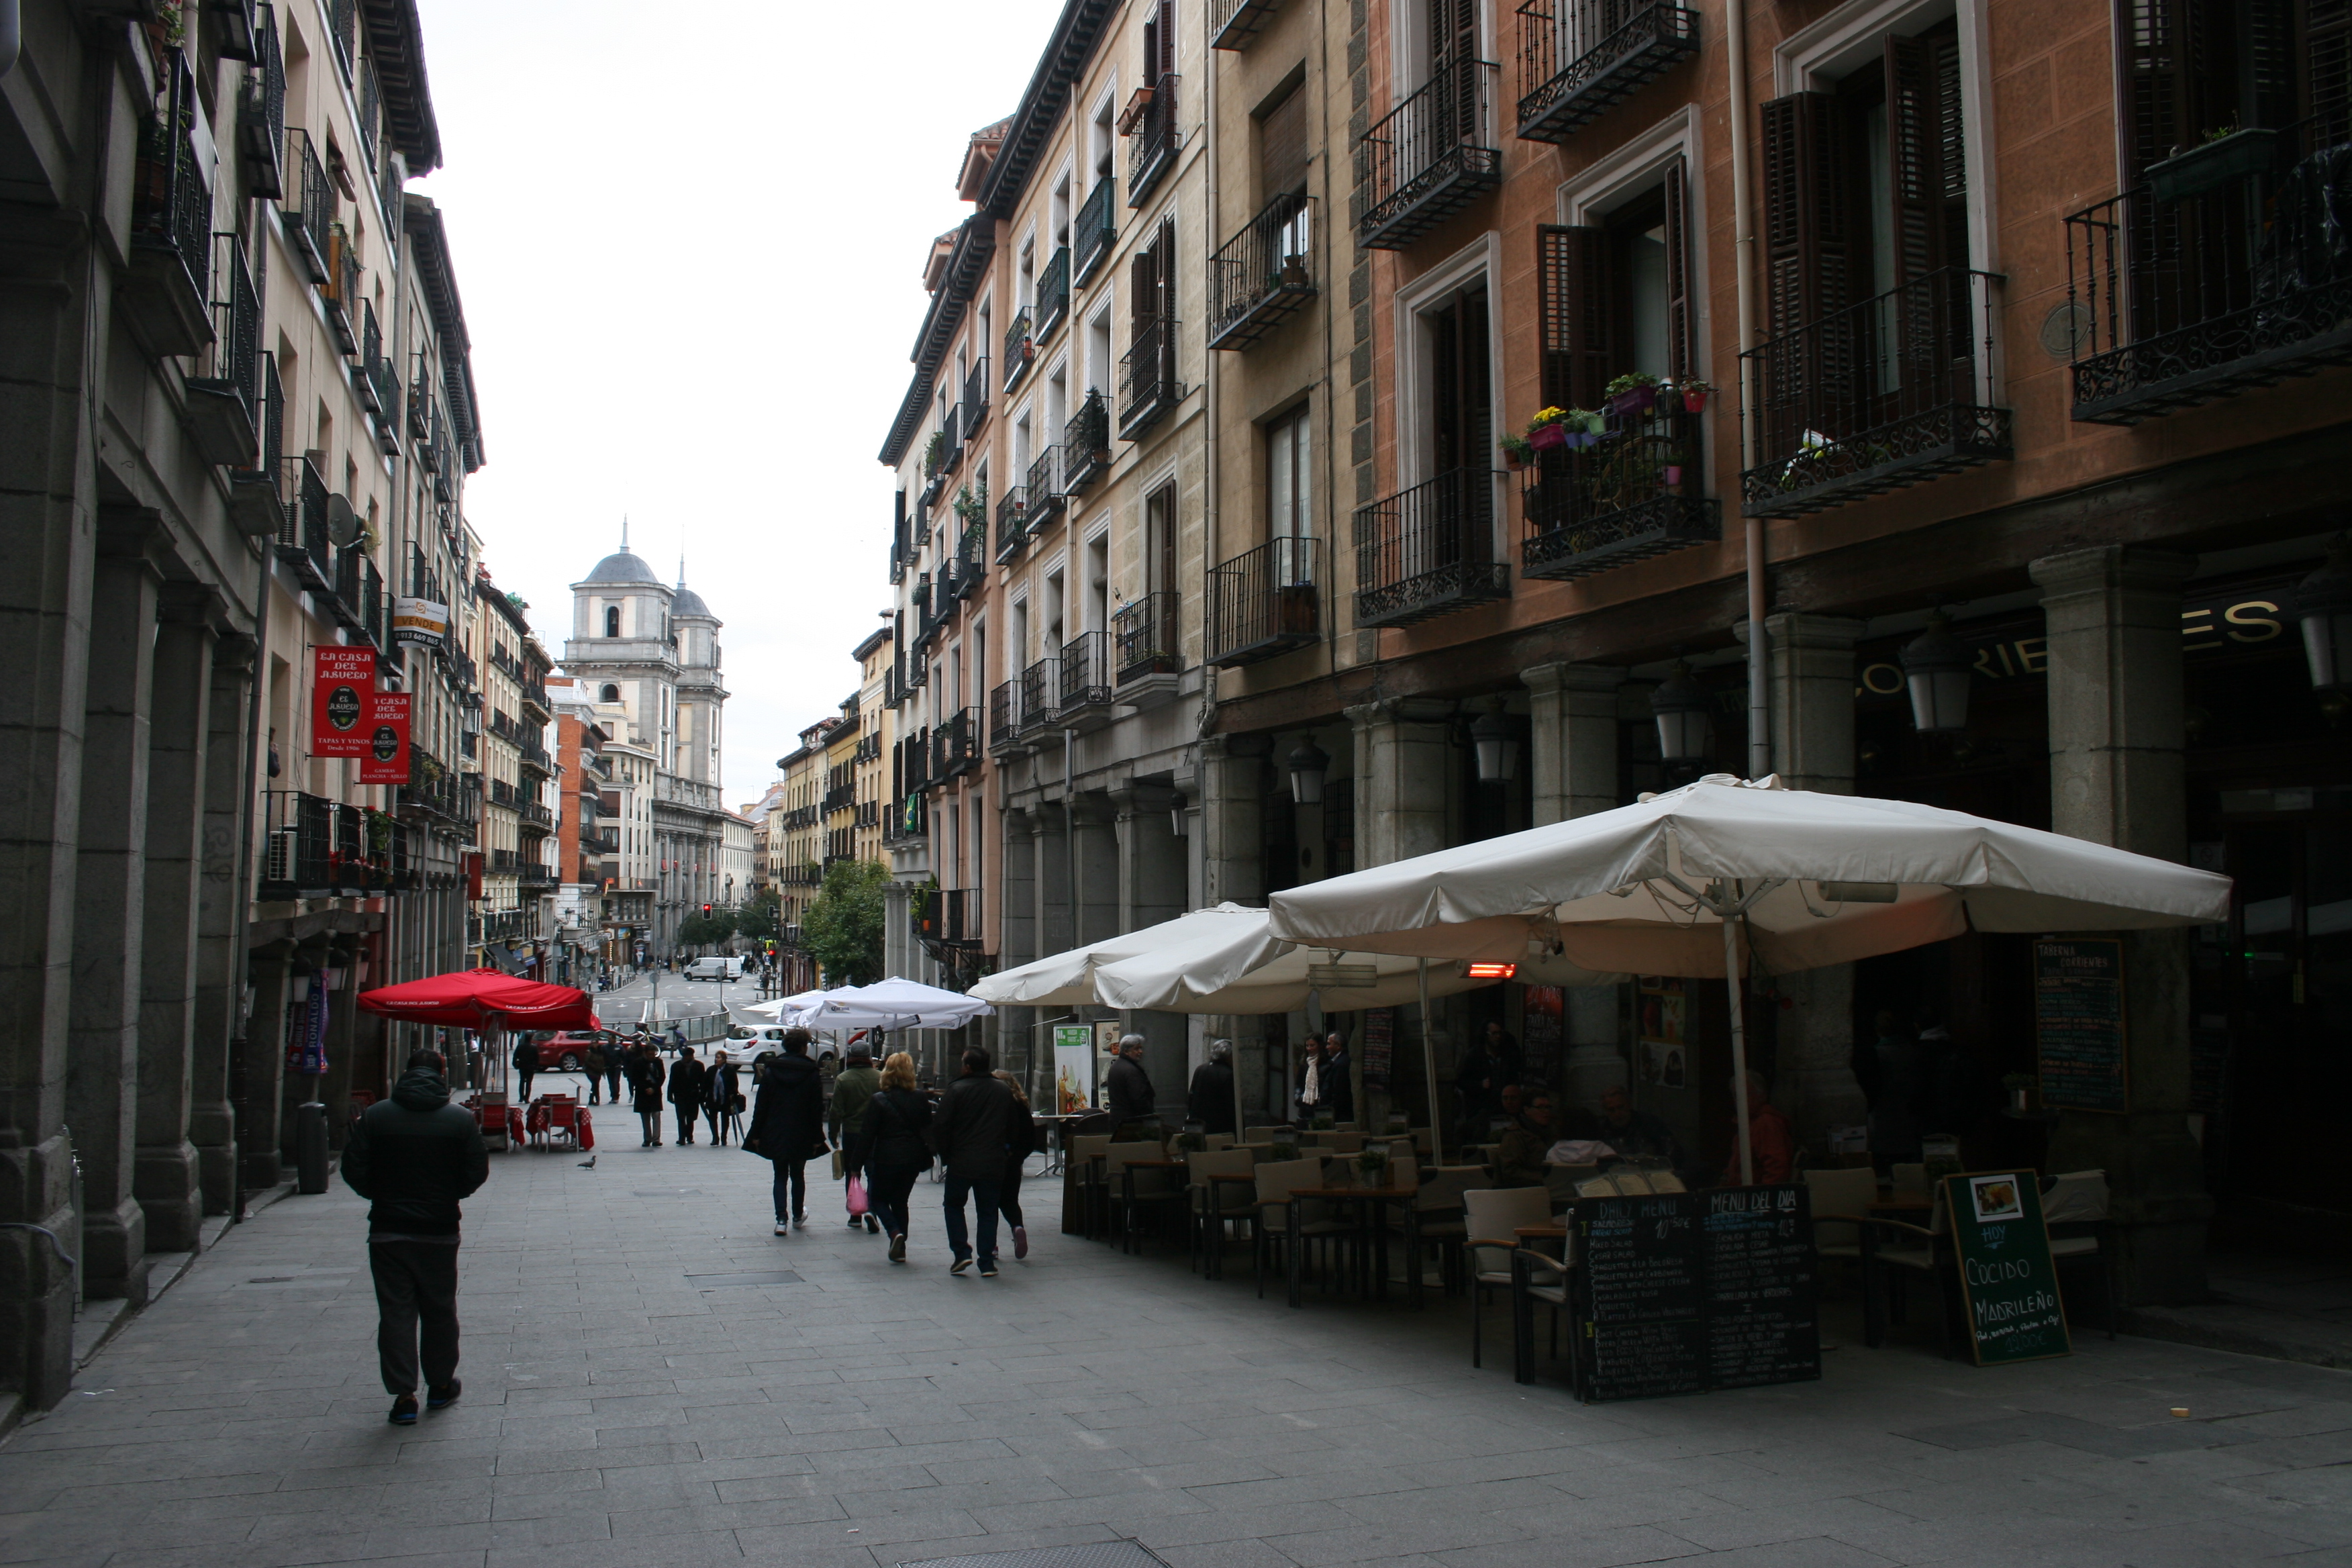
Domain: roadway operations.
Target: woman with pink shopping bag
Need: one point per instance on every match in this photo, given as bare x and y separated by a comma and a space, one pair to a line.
853, 1088
889, 1149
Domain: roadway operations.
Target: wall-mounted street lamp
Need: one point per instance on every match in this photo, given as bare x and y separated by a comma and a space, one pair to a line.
1176, 817
1680, 708
1490, 738
1308, 763
1937, 666
2323, 604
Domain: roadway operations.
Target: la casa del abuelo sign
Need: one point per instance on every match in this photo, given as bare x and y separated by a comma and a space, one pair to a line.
350, 717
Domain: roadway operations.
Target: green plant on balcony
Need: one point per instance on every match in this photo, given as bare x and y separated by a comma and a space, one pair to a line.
1635, 392
935, 453
971, 506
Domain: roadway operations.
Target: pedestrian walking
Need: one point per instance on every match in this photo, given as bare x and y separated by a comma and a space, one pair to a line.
973, 1129
719, 1097
415, 1157
892, 1148
845, 1112
593, 1061
1021, 1141
687, 1079
1338, 1083
788, 1127
1127, 1086
525, 1061
1210, 1102
646, 1083
616, 1062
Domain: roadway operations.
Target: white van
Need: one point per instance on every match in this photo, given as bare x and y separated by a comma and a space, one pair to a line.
720, 969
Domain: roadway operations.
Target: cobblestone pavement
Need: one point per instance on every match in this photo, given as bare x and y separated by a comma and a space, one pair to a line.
627, 1404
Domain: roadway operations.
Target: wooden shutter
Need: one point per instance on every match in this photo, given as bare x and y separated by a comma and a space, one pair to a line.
1680, 361
1163, 271
1453, 65
1143, 287
1160, 41
1282, 147
1806, 231
2327, 56
2164, 97
1575, 313
1926, 155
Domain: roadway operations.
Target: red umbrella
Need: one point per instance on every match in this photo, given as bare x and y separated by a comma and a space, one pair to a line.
483, 999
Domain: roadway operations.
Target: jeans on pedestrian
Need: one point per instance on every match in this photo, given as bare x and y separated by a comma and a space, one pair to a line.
718, 1119
887, 1191
984, 1194
651, 1121
522, 1085
613, 1085
416, 1297
686, 1115
1008, 1191
791, 1181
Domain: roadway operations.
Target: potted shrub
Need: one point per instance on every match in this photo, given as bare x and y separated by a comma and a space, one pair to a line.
2021, 1087
1636, 392
1517, 452
1192, 1143
2225, 154
1283, 1150
1693, 394
1372, 1161
1322, 1122
1547, 429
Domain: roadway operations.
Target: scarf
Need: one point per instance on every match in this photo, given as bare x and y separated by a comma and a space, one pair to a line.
1313, 1093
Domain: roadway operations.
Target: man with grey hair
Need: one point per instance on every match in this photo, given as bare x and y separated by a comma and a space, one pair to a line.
1209, 1104
1127, 1085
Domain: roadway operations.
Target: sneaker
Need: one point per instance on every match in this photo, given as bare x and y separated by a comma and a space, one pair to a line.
854, 1221
800, 1222
961, 1266
873, 1226
898, 1250
782, 1228
1020, 1241
446, 1395
988, 1269
404, 1411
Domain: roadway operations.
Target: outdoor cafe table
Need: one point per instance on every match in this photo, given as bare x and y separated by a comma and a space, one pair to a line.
1375, 1225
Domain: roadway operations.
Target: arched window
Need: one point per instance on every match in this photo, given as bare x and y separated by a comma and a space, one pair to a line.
611, 692
612, 620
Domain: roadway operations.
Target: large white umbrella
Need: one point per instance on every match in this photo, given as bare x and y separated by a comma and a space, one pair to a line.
1676, 884
1067, 979
783, 1009
893, 1004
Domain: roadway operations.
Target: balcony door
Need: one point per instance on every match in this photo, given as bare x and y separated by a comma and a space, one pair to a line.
1460, 437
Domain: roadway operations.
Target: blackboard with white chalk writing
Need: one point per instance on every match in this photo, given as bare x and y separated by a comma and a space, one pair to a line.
2007, 1278
2078, 1022
1762, 1325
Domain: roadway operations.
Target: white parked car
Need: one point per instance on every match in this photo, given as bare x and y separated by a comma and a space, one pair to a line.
719, 969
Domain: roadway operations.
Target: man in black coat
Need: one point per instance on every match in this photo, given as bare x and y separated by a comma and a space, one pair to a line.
413, 1157
526, 1063
973, 1129
1210, 1105
788, 1126
686, 1079
1339, 1080
1127, 1086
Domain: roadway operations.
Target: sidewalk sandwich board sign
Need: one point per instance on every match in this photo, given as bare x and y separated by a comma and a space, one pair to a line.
2008, 1282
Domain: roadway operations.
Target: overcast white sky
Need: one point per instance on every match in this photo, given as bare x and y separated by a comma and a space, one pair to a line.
690, 241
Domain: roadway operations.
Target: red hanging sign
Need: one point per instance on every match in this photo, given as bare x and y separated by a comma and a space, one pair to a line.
342, 695
386, 762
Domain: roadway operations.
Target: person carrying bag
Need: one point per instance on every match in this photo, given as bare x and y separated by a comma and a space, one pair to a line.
788, 1127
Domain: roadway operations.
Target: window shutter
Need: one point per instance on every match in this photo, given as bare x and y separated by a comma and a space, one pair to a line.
1926, 154
2161, 54
1143, 285
1282, 147
1805, 225
1680, 363
1575, 313
2327, 55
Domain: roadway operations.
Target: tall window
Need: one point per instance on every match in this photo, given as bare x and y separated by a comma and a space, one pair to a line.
1461, 423
1613, 295
1289, 475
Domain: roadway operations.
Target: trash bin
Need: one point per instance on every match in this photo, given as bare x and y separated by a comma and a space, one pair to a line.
310, 1148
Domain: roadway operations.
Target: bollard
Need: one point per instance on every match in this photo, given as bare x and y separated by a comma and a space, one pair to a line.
310, 1148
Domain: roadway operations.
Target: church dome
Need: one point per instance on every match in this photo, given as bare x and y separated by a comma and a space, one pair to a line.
684, 601
623, 566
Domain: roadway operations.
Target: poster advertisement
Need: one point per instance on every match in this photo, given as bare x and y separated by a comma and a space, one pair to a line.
1662, 1040
306, 1050
1540, 1034
386, 762
1377, 1051
1073, 1066
342, 692
418, 622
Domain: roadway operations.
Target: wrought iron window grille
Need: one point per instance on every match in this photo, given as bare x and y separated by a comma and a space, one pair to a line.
1263, 603
1429, 157
1263, 275
1428, 551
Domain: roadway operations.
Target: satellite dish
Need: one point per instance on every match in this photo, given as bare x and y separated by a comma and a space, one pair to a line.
343, 524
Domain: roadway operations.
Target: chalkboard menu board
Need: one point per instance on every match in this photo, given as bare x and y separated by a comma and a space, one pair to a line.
1683, 1293
2006, 1276
2078, 1022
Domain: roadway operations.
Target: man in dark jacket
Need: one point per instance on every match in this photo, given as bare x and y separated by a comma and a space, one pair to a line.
686, 1079
1210, 1105
788, 1126
413, 1157
1127, 1086
526, 1063
1338, 1078
973, 1129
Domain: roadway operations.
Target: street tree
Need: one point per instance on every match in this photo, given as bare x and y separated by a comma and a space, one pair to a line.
843, 927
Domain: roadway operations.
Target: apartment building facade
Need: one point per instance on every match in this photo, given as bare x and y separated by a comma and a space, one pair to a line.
1894, 396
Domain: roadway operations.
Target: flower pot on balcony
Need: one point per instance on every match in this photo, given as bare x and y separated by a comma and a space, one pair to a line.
1674, 478
2236, 156
1547, 437
1695, 399
1635, 400
1513, 460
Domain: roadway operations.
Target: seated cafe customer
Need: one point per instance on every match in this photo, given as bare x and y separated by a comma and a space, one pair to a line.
1771, 1144
1520, 1156
1636, 1135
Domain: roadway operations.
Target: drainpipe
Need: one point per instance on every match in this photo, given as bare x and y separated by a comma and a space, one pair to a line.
1211, 373
255, 741
1743, 229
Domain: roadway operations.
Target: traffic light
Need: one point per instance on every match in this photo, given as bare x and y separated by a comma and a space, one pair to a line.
706, 909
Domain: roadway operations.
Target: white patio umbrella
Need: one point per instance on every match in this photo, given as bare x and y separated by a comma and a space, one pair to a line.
1067, 979
783, 1009
1676, 883
893, 1004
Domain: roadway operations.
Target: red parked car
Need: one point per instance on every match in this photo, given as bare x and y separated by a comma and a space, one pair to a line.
567, 1051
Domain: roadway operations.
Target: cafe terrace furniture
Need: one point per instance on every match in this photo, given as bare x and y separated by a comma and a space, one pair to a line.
1894, 1251
1223, 1189
1434, 1219
2074, 1214
1840, 1192
1491, 1216
1122, 1189
1278, 1216
1538, 1278
1082, 1183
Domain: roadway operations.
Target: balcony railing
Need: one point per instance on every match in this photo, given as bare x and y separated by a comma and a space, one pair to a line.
224, 410
1011, 522
1234, 23
169, 289
359, 594
1263, 275
1086, 445
314, 847
261, 111
2243, 278
1095, 230
915, 762
1020, 349
1582, 57
1626, 495
1052, 293
954, 746
341, 289
1146, 632
1428, 551
533, 757
1429, 157
975, 397
303, 542
1881, 394
1004, 720
310, 204
1155, 135
1148, 387
1041, 689
1044, 488
371, 349
1086, 677
1263, 603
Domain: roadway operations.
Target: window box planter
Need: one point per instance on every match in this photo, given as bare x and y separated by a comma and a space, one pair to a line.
2237, 156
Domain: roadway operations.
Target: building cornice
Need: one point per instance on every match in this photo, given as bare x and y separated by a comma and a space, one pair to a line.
396, 49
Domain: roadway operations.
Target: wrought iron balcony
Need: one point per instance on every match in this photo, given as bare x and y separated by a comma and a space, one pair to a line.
1429, 157
971, 563
256, 493
1232, 24
310, 205
535, 818
1148, 387
1154, 134
359, 594
303, 542
1052, 293
1086, 678
1041, 689
1011, 522
1624, 495
371, 338
261, 111
1086, 445
954, 746
298, 856
1428, 551
1094, 231
1263, 603
975, 397
532, 757
1044, 488
1146, 632
1587, 56
341, 289
1004, 721
224, 408
1020, 349
1263, 275
915, 762
2243, 278
167, 291
919, 669
1873, 397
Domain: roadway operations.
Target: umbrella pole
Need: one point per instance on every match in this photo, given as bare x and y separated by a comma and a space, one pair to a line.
1429, 1070
1738, 1049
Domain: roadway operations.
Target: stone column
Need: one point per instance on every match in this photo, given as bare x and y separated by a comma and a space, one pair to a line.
166, 1176
220, 908
1050, 861
2112, 620
1236, 783
1573, 772
260, 1072
1403, 763
1151, 890
109, 905
1097, 841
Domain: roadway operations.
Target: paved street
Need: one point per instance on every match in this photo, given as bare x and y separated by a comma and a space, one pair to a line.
673, 997
632, 1399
